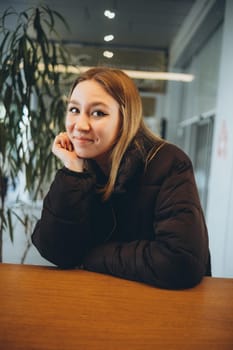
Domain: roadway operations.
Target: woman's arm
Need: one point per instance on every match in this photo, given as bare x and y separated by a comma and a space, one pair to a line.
178, 255
63, 233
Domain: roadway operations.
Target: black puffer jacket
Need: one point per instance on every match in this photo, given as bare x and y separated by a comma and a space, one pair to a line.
151, 230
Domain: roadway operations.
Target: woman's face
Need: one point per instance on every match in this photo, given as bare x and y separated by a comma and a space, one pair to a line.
92, 121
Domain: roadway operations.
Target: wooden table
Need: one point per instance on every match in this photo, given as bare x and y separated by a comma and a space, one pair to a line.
48, 308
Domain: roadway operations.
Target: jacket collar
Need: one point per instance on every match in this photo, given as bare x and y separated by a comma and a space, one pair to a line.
132, 164
131, 167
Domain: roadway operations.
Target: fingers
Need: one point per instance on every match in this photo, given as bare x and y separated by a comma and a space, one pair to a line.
64, 150
62, 141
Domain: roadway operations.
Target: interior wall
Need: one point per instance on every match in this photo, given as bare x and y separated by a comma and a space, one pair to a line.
219, 207
220, 201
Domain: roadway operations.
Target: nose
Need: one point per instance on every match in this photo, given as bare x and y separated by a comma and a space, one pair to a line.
82, 123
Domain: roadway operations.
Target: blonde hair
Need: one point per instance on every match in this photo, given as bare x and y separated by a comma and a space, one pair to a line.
122, 88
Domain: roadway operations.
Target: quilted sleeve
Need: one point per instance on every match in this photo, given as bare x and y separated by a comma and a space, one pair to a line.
178, 255
63, 233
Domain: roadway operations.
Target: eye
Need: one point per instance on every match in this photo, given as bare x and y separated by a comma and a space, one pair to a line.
98, 113
73, 110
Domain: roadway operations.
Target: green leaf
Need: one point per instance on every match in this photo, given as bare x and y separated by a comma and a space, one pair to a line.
4, 42
54, 13
25, 143
2, 140
8, 12
19, 218
62, 19
8, 97
10, 226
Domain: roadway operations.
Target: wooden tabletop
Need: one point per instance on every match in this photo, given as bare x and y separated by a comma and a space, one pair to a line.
47, 308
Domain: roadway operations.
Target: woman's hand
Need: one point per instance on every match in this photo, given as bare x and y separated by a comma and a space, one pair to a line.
64, 150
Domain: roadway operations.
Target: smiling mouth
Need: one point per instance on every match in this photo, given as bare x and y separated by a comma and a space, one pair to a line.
82, 140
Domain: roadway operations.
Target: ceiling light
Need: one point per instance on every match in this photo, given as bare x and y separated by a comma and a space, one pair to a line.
108, 54
109, 37
133, 74
109, 14
159, 75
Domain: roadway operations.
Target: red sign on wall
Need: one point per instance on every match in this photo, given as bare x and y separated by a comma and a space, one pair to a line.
222, 140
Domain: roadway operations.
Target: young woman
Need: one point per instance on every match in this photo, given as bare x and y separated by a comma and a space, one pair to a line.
125, 203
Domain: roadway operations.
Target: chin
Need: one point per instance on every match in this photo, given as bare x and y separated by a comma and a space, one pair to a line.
83, 155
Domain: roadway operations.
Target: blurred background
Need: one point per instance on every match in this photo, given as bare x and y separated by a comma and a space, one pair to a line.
180, 53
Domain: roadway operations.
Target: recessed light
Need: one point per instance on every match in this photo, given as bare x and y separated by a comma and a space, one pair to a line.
109, 37
109, 14
108, 54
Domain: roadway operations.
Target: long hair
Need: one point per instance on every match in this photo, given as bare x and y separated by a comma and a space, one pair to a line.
122, 88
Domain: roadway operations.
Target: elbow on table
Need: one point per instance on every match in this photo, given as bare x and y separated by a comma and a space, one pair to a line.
64, 261
58, 257
61, 261
182, 272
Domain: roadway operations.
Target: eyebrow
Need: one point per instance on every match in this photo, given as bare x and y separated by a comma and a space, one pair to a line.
93, 104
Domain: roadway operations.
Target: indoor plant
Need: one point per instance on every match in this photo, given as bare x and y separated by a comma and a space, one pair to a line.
31, 102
